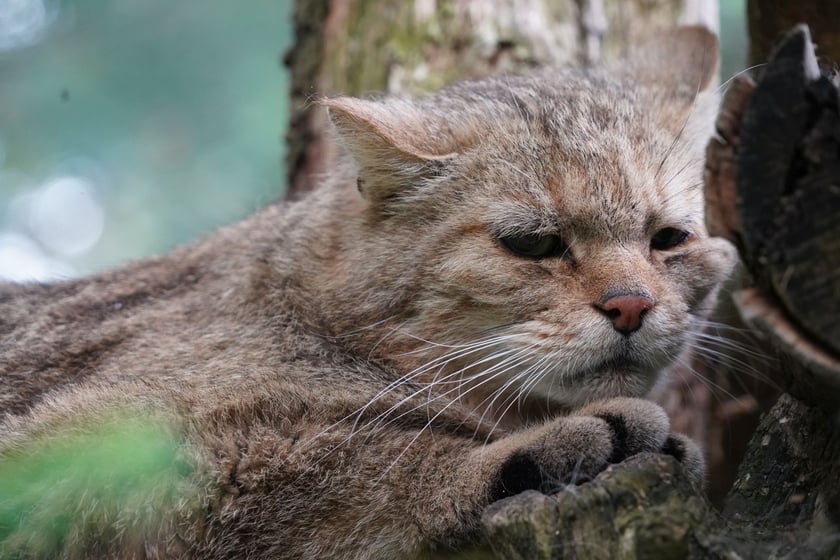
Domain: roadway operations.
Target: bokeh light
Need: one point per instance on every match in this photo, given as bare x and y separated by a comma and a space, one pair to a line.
22, 260
65, 216
130, 127
23, 22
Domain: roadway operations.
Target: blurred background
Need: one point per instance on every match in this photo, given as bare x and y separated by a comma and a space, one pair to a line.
130, 126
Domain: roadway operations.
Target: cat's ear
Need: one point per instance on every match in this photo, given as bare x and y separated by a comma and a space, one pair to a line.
395, 144
685, 58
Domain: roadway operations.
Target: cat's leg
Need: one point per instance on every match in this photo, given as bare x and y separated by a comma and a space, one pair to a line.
400, 493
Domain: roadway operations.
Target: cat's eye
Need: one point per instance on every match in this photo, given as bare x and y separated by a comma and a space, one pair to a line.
668, 238
534, 246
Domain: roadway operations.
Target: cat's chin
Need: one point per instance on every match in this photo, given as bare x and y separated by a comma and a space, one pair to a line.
613, 377
619, 368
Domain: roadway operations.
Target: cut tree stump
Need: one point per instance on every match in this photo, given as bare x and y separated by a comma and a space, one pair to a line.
789, 189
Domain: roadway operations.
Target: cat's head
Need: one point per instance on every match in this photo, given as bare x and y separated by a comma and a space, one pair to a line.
541, 233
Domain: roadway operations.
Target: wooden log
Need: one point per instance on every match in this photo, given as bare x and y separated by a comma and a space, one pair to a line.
788, 208
785, 505
645, 508
788, 199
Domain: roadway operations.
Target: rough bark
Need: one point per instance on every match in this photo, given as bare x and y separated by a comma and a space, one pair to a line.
357, 47
304, 61
784, 505
734, 409
791, 235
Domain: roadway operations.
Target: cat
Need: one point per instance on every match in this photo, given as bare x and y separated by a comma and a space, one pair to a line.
470, 306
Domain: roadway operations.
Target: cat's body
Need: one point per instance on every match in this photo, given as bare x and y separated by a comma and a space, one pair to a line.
359, 375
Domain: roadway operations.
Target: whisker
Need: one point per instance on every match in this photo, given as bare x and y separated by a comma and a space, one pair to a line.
440, 412
460, 351
722, 86
734, 345
440, 363
725, 360
511, 357
705, 380
501, 390
383, 338
516, 397
456, 388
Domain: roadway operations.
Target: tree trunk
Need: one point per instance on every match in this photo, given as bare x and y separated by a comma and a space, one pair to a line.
356, 47
721, 407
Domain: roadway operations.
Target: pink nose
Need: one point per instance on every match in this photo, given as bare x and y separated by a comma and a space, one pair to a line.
626, 311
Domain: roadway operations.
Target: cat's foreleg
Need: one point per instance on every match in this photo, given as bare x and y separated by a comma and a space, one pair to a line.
402, 494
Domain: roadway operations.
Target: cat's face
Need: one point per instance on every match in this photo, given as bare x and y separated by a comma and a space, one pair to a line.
552, 228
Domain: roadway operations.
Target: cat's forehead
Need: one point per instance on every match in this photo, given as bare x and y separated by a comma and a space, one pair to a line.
609, 182
583, 148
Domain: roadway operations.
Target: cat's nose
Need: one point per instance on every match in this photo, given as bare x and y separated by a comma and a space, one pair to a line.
626, 311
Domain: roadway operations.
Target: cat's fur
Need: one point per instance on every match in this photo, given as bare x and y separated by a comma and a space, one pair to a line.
357, 375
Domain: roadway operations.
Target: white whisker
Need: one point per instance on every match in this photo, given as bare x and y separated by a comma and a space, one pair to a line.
486, 378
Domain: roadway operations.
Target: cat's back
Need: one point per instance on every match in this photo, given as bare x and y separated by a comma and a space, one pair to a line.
174, 317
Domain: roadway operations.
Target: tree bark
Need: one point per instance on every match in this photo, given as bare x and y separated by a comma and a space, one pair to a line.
722, 406
784, 505
356, 47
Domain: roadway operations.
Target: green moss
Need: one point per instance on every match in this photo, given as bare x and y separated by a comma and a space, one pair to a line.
660, 532
385, 38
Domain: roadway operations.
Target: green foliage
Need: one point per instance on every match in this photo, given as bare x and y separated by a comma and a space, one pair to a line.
95, 485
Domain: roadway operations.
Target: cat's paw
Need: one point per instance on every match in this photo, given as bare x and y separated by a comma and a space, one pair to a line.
568, 450
639, 426
575, 449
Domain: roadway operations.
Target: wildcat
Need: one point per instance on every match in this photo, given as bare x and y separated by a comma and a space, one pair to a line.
470, 306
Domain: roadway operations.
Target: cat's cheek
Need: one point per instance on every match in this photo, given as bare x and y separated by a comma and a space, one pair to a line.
698, 272
723, 256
